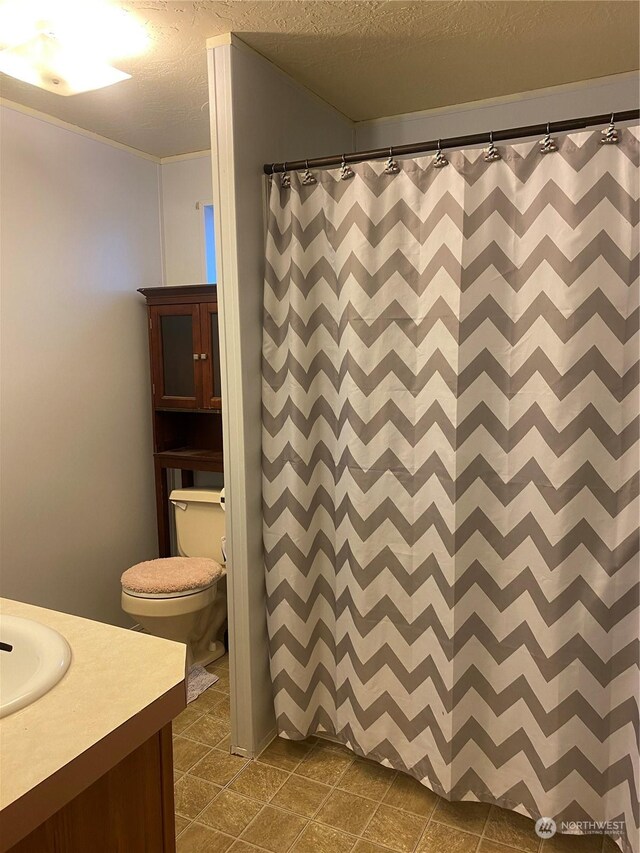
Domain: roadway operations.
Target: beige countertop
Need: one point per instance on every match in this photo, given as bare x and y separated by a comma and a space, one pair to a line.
121, 687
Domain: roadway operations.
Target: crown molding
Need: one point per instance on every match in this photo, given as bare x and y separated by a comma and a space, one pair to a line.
73, 128
531, 94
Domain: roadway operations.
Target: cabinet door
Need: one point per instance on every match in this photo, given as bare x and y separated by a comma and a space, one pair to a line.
210, 357
175, 354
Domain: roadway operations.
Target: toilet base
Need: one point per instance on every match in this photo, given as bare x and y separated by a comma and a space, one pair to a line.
197, 620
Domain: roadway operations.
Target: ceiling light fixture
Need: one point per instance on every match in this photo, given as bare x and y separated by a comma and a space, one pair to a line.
65, 46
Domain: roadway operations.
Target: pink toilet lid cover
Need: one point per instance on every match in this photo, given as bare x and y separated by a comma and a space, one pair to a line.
171, 574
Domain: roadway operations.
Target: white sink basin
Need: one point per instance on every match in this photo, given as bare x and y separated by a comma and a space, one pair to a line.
33, 659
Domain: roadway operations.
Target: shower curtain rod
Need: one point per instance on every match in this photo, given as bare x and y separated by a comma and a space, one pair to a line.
453, 142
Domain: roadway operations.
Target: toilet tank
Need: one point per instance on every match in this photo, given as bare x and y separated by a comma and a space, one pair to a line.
199, 519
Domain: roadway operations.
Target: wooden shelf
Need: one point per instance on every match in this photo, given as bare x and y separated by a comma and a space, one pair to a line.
190, 459
211, 411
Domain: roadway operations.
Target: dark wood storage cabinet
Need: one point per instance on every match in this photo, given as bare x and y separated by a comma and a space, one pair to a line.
186, 388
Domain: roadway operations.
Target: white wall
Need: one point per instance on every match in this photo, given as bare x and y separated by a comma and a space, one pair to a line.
258, 115
592, 97
184, 183
80, 231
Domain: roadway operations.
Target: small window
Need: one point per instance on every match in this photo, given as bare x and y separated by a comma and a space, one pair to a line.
209, 244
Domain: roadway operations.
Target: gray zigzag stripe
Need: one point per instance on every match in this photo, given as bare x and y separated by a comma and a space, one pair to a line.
573, 707
446, 206
590, 419
395, 317
492, 258
572, 761
574, 649
531, 473
578, 591
581, 534
593, 361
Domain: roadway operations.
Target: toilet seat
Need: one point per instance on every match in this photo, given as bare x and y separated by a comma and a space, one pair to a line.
180, 594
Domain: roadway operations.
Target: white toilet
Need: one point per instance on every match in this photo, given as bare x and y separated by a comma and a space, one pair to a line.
185, 598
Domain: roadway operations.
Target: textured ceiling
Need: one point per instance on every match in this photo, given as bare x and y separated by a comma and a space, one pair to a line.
368, 59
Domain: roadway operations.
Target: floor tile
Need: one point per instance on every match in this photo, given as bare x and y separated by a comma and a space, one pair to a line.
367, 779
222, 684
230, 813
206, 701
181, 824
192, 795
363, 846
240, 846
222, 709
220, 665
274, 829
488, 846
301, 795
285, 754
572, 844
185, 718
323, 765
513, 829
346, 811
218, 767
201, 839
225, 744
259, 781
322, 839
207, 729
468, 816
326, 743
395, 829
408, 794
439, 838
187, 752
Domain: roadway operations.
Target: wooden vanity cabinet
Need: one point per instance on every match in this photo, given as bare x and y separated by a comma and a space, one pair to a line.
186, 389
128, 810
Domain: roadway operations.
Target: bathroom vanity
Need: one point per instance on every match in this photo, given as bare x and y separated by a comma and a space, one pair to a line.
88, 766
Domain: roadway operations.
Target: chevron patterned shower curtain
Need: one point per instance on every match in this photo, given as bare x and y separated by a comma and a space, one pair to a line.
450, 472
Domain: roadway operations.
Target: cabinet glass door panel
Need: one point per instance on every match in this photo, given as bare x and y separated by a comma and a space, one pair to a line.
176, 333
211, 343
175, 337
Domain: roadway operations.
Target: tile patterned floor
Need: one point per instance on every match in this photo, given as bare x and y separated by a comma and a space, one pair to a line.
315, 797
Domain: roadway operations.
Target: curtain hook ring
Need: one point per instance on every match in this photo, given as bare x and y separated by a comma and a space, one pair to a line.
346, 171
440, 160
492, 152
307, 178
610, 134
285, 179
548, 145
391, 167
